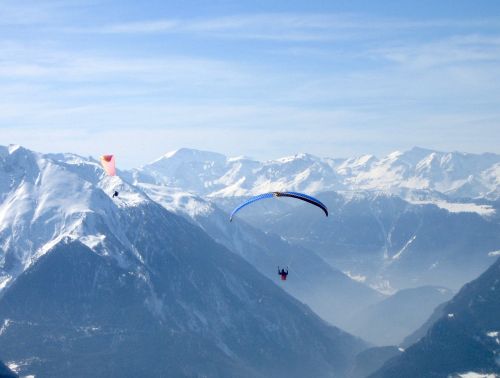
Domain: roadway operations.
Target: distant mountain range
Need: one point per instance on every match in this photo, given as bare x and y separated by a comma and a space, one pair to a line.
454, 174
159, 281
413, 218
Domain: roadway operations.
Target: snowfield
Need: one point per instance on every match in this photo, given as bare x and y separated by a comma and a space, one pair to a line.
454, 174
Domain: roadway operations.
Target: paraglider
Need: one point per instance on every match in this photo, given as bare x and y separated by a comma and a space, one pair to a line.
108, 163
300, 196
283, 273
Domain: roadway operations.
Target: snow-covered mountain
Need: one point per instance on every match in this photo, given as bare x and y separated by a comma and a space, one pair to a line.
454, 174
101, 286
464, 341
329, 292
212, 174
388, 242
397, 222
44, 198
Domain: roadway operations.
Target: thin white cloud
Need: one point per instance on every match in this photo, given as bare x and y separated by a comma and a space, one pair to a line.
453, 50
25, 62
286, 26
158, 26
277, 27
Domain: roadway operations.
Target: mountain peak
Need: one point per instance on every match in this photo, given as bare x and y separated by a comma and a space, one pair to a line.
239, 158
193, 155
13, 148
299, 156
412, 156
214, 174
395, 154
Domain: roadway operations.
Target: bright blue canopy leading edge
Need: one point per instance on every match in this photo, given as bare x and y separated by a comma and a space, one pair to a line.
301, 196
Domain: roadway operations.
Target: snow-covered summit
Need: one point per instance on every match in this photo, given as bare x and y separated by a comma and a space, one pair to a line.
454, 174
301, 156
125, 276
189, 154
45, 198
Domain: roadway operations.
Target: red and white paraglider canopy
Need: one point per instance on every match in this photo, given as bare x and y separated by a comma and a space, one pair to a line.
108, 163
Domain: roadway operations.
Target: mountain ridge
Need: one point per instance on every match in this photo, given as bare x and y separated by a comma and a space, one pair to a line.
463, 338
96, 279
455, 174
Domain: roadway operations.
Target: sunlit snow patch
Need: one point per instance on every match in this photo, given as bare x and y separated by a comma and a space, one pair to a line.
128, 196
472, 374
4, 281
355, 277
494, 253
92, 241
408, 243
47, 247
13, 366
384, 287
176, 200
4, 326
16, 366
484, 210
494, 335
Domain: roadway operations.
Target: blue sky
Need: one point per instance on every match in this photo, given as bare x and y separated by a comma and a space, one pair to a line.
257, 78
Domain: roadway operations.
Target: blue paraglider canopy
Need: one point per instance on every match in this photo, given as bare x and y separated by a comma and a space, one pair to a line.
300, 196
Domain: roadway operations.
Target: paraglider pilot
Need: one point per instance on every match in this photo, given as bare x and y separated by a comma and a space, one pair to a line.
283, 273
